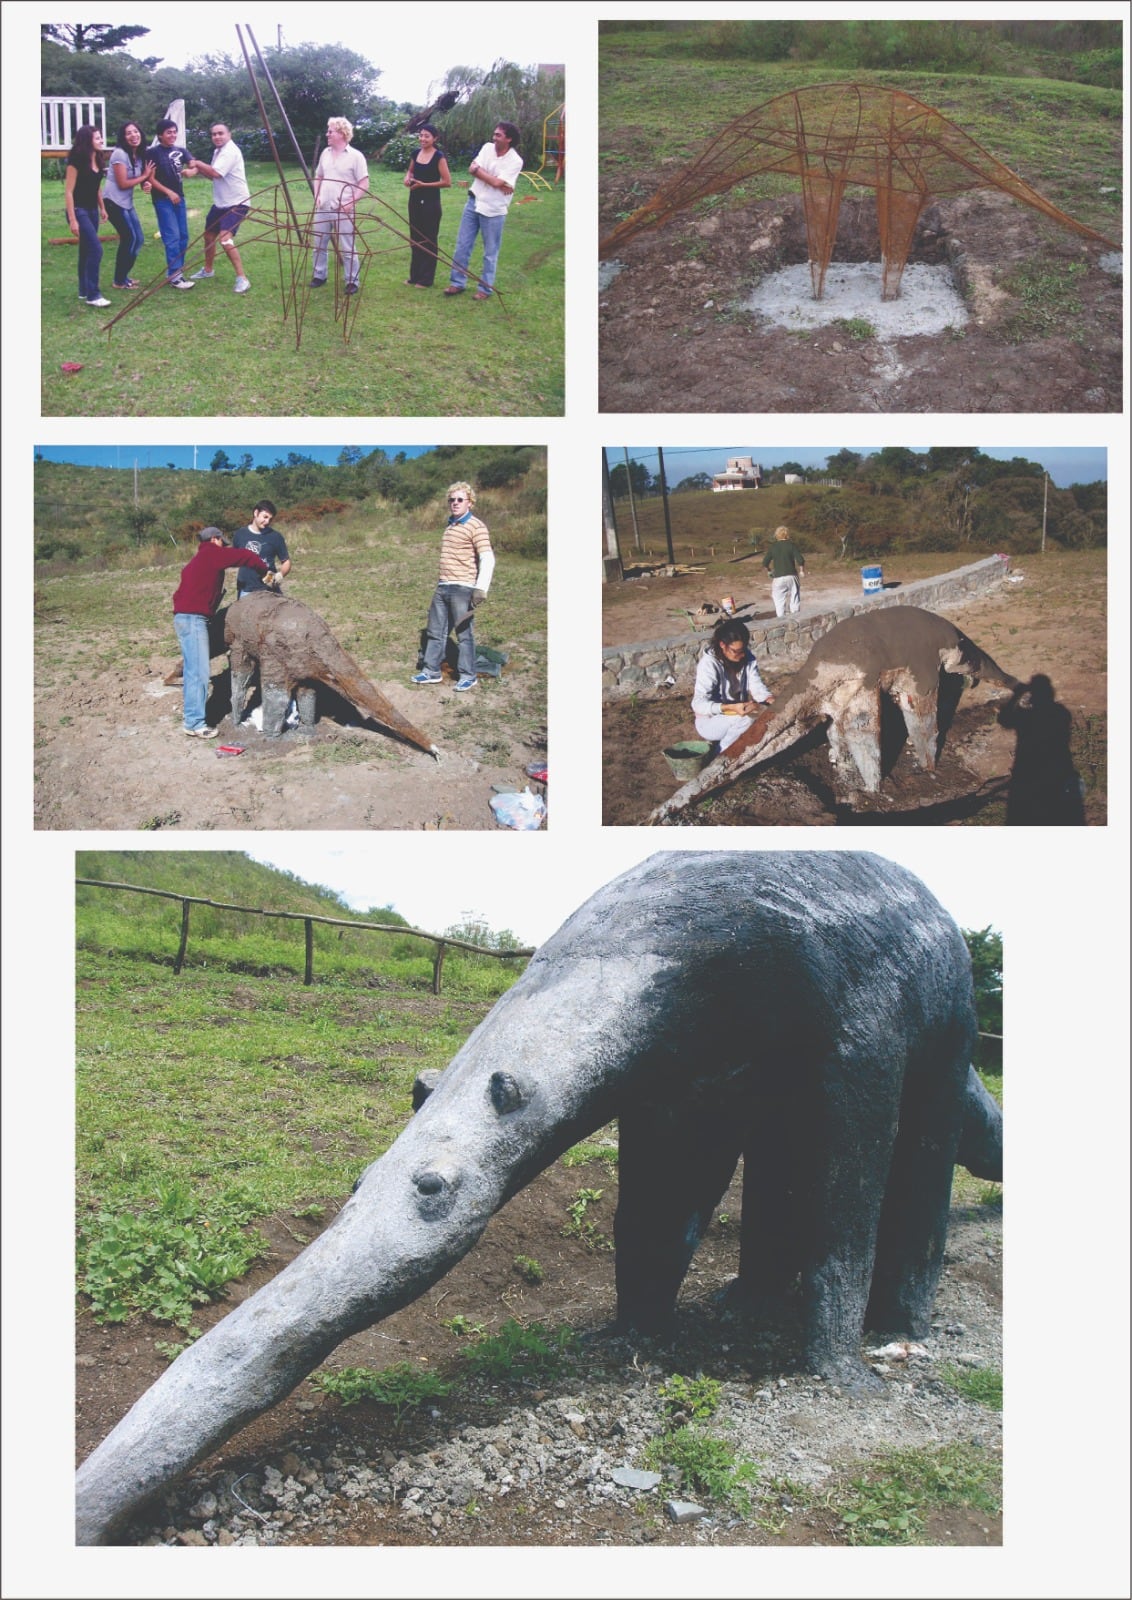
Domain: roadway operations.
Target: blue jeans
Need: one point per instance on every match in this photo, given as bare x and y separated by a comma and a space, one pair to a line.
173, 222
90, 252
449, 604
196, 665
131, 237
491, 229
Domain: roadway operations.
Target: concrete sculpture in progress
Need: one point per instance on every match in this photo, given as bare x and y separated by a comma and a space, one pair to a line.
900, 652
834, 134
294, 651
810, 1012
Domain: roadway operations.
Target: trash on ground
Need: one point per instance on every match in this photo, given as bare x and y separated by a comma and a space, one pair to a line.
523, 811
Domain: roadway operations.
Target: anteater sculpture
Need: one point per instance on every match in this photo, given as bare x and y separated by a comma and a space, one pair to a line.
834, 134
897, 651
295, 650
810, 1012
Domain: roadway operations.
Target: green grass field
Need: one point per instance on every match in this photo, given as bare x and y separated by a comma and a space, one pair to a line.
213, 353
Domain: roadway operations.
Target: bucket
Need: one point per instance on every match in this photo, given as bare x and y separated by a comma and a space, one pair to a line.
872, 578
687, 758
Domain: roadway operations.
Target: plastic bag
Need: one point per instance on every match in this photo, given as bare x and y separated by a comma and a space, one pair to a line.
523, 811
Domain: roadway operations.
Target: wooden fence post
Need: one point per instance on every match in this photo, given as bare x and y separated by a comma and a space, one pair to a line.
180, 961
308, 974
438, 965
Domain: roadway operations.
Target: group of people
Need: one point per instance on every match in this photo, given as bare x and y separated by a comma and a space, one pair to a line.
158, 170
259, 552
729, 688
341, 179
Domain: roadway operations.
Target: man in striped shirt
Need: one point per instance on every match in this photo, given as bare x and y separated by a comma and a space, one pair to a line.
466, 565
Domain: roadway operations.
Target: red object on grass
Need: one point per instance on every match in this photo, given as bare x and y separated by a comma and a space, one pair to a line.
230, 749
71, 366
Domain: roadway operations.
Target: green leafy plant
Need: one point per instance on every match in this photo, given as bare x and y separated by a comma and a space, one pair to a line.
582, 1227
706, 1465
579, 1155
529, 1269
172, 1348
695, 1397
463, 1328
888, 1507
401, 1386
982, 1384
530, 1352
856, 328
161, 1262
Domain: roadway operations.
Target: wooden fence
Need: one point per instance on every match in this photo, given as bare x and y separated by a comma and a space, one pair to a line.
442, 943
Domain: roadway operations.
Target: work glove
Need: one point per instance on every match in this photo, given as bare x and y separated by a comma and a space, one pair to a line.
478, 598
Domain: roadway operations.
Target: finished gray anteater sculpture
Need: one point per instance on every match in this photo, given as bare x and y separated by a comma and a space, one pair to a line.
295, 651
899, 651
810, 1012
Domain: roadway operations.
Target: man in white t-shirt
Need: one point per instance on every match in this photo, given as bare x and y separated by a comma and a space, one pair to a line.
340, 180
231, 202
495, 172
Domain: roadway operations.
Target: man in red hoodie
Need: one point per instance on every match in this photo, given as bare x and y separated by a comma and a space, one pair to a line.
197, 598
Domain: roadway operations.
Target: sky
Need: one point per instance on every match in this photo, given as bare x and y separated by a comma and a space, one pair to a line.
188, 457
413, 48
1065, 464
521, 883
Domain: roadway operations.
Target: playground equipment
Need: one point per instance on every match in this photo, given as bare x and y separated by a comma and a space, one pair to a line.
553, 148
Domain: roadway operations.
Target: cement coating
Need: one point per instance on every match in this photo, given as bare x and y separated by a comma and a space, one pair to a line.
928, 303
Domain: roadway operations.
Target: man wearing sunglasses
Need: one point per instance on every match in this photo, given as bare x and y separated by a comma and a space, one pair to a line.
466, 565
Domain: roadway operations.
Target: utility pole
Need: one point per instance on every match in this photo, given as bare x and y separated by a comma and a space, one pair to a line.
664, 499
632, 503
135, 480
1045, 507
611, 565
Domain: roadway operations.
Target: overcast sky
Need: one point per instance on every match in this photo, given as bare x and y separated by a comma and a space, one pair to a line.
1065, 464
524, 883
412, 47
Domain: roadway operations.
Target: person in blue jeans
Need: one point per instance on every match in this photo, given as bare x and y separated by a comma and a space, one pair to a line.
168, 194
197, 598
82, 194
495, 171
129, 167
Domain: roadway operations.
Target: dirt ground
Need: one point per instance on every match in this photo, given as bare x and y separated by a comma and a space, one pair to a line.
1049, 617
673, 336
110, 754
114, 1365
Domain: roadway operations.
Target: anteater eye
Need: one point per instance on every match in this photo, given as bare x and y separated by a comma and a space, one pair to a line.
506, 1094
430, 1183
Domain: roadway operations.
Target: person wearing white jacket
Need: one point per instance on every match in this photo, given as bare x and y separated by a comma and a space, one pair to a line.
728, 685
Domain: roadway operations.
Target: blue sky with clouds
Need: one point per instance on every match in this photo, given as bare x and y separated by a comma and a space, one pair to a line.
1065, 464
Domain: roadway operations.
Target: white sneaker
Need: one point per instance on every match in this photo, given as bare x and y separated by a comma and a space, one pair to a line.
181, 283
99, 302
204, 274
242, 285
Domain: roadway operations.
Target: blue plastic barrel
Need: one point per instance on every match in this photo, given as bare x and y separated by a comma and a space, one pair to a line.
872, 579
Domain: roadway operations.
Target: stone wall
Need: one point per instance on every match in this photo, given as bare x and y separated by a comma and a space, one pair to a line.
785, 642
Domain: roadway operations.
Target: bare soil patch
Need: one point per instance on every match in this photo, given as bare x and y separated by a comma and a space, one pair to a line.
675, 338
1052, 621
785, 1420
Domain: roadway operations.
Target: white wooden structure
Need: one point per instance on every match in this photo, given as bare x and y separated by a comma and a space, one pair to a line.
61, 115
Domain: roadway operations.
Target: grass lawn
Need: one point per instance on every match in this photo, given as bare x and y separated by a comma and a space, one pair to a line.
213, 353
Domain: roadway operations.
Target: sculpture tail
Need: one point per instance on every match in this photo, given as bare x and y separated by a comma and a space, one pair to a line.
767, 736
980, 1144
346, 678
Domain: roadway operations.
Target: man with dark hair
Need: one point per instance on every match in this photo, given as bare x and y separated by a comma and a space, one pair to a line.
231, 202
267, 543
167, 192
495, 172
196, 600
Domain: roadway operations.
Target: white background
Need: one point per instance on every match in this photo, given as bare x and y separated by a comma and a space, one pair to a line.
1059, 897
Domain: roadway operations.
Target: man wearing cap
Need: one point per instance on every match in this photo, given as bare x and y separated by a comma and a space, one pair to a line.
197, 598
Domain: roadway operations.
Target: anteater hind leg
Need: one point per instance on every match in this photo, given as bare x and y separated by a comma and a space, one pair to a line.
770, 1241
674, 1164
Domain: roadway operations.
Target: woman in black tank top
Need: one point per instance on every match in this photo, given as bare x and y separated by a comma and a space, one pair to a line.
428, 173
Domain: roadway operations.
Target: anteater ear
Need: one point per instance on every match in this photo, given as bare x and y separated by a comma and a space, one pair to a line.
425, 1083
506, 1094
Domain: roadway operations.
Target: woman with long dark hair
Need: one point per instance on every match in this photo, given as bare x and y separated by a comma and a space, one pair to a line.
428, 173
729, 688
128, 167
82, 190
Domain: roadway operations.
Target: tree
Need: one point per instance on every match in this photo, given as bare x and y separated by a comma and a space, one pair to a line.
843, 463
349, 456
246, 462
985, 947
220, 462
698, 480
96, 38
638, 475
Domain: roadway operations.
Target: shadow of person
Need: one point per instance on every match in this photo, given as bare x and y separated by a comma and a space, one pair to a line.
1044, 784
